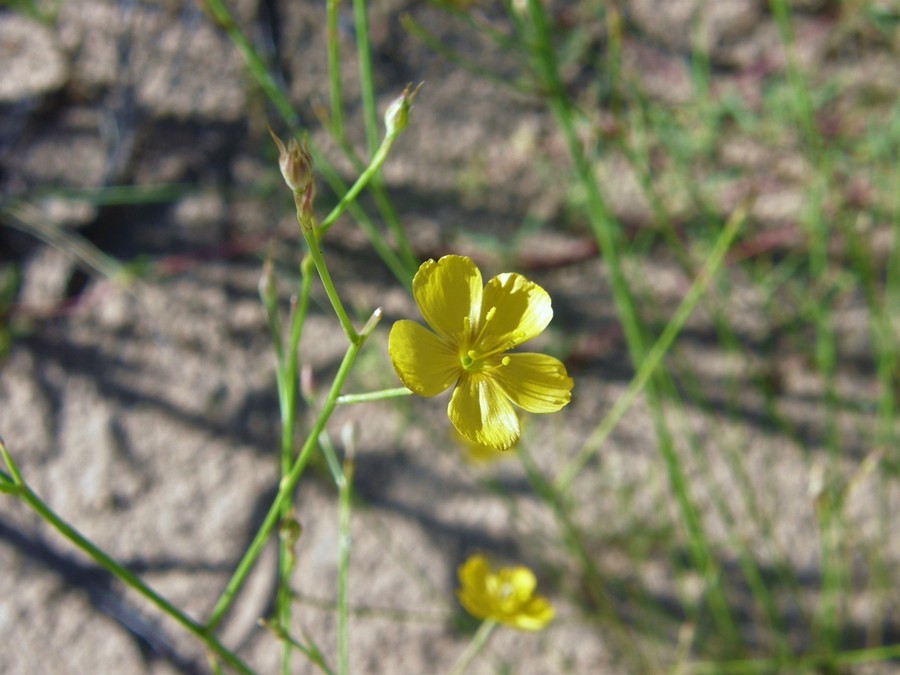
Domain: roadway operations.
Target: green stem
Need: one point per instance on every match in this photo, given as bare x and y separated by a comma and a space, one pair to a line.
814, 662
289, 482
370, 120
402, 271
595, 582
312, 237
345, 492
606, 231
366, 81
334, 71
374, 395
656, 353
479, 640
287, 397
369, 173
7, 484
369, 176
29, 219
126, 576
342, 477
826, 624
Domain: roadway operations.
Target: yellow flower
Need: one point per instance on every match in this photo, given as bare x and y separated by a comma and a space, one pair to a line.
505, 595
473, 327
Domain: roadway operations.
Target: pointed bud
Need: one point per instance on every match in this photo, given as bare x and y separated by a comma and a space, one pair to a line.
396, 117
295, 163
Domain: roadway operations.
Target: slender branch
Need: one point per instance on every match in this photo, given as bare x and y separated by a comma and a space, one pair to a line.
126, 576
289, 482
479, 640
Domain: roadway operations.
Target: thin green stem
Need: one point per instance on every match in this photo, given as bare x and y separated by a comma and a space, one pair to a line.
255, 64
402, 270
656, 353
288, 531
123, 574
344, 504
14, 476
29, 219
374, 395
7, 484
343, 478
289, 482
833, 564
813, 662
334, 72
417, 30
368, 174
310, 651
370, 121
366, 80
269, 297
476, 644
607, 234
312, 237
287, 374
594, 580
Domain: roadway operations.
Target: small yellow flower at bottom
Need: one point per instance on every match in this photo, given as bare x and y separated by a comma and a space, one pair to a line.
505, 595
473, 326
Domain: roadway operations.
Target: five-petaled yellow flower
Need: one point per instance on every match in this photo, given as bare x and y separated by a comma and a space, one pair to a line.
473, 326
505, 595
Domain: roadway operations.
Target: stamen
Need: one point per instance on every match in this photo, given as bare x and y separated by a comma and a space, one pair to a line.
505, 360
490, 314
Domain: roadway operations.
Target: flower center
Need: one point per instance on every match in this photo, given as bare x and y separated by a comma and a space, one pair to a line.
474, 362
470, 361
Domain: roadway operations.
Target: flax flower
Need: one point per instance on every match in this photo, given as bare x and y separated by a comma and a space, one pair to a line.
473, 326
505, 595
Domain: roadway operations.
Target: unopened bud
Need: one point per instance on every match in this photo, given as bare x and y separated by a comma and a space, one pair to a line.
396, 117
295, 163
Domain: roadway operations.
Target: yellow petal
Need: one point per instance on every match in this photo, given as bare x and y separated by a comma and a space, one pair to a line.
473, 572
424, 363
535, 382
513, 310
533, 615
472, 593
523, 582
447, 292
481, 412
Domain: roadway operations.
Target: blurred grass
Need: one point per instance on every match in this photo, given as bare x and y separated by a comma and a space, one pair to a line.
827, 261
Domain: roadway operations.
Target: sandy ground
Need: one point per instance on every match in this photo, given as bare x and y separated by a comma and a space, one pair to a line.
146, 415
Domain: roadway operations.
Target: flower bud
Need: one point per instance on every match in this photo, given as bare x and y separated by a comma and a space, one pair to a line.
295, 163
396, 117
